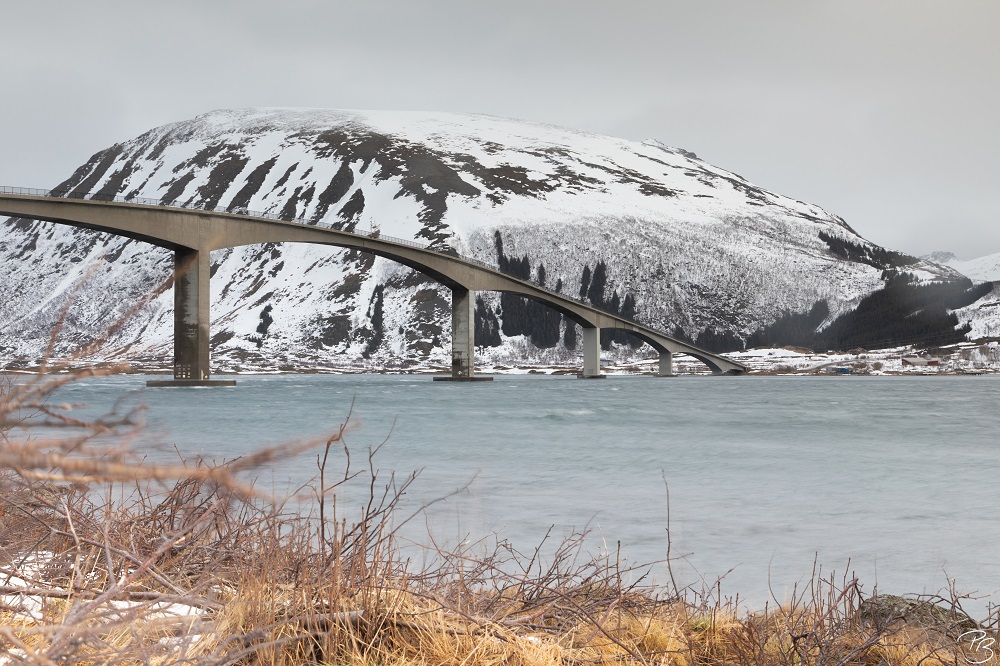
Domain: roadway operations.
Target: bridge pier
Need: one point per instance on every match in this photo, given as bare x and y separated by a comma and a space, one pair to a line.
591, 353
666, 364
463, 338
192, 273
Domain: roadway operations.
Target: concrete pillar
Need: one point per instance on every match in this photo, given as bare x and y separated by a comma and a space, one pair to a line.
191, 314
666, 364
463, 331
591, 352
191, 322
463, 338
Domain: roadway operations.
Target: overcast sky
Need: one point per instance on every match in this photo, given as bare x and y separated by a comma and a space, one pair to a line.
883, 112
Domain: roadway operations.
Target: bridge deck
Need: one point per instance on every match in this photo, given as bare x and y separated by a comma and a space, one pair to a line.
194, 232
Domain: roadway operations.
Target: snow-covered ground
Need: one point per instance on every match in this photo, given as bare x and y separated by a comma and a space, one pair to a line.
24, 602
961, 358
982, 356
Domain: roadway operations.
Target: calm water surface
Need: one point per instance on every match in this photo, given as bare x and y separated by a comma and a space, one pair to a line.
897, 475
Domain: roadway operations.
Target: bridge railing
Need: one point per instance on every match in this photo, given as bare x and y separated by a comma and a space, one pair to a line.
238, 210
235, 210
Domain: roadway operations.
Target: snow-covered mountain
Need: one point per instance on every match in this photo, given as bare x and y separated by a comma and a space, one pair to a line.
984, 315
687, 246
981, 269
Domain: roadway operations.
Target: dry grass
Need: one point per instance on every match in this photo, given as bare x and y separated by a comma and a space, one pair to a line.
107, 560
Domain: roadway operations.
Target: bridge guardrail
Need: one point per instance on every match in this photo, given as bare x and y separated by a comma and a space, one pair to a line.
450, 251
175, 203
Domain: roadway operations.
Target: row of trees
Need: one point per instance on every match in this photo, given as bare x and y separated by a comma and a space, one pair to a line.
592, 287
902, 312
520, 316
876, 256
540, 323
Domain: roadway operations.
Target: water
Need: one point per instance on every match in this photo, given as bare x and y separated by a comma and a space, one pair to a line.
766, 474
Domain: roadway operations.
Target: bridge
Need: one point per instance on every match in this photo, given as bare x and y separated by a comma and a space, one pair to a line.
192, 234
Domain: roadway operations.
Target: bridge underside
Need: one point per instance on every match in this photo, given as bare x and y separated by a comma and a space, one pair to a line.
192, 358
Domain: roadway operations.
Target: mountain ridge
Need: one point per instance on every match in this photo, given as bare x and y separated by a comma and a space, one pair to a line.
984, 269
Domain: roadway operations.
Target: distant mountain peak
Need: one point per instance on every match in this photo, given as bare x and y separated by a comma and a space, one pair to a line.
940, 257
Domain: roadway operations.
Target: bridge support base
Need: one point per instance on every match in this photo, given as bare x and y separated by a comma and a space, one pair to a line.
666, 364
591, 354
474, 378
189, 383
463, 338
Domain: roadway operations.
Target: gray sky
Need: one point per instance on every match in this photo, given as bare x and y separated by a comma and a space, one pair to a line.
883, 112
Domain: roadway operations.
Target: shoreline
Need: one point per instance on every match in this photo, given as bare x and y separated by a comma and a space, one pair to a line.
961, 359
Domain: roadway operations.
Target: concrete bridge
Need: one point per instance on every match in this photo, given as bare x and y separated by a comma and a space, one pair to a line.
193, 233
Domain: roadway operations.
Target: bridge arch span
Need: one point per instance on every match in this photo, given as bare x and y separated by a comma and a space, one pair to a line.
192, 234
